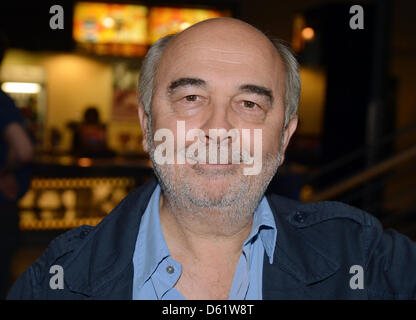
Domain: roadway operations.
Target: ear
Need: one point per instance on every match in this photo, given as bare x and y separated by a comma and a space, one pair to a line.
143, 118
288, 131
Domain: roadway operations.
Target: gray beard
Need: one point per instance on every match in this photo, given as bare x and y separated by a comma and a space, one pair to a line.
227, 210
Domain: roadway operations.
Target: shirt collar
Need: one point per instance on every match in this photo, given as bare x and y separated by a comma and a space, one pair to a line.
151, 248
264, 226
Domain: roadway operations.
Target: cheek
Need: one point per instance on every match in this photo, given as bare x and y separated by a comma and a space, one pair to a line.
271, 135
273, 131
161, 115
262, 142
272, 140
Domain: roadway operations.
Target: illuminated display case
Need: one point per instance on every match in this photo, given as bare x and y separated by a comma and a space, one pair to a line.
75, 191
59, 203
117, 29
128, 30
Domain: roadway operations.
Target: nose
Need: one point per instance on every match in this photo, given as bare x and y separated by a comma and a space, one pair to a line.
217, 118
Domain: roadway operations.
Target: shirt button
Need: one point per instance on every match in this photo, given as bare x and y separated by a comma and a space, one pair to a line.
170, 269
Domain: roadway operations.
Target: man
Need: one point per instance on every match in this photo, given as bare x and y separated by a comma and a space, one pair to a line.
16, 151
205, 230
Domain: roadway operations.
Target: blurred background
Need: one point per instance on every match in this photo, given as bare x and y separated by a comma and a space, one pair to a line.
76, 91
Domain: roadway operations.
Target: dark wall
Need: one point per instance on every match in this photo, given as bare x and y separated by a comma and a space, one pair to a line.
26, 25
347, 56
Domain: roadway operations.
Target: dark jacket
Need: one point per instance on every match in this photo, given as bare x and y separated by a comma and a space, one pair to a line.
317, 244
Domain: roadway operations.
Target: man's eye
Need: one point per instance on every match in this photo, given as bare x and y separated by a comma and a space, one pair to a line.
191, 98
250, 104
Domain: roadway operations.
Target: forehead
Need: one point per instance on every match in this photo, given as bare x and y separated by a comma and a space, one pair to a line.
226, 56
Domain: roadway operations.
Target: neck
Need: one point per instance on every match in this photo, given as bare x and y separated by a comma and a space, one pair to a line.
203, 232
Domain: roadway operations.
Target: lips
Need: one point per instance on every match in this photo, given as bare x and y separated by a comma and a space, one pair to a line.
216, 161
215, 170
216, 165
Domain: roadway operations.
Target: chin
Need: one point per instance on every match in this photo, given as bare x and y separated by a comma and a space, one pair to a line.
214, 189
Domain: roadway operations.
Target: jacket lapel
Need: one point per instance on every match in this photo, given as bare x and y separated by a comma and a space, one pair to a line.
107, 251
298, 260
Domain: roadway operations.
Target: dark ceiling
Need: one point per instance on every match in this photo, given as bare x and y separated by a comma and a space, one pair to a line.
26, 24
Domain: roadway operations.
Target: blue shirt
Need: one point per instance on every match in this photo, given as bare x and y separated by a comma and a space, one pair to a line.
156, 272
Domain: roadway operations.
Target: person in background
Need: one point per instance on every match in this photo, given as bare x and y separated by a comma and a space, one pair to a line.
16, 152
90, 137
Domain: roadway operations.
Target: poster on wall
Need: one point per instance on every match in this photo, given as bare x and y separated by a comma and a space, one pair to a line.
125, 78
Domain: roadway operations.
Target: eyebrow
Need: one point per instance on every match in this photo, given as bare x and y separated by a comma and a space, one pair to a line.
262, 91
182, 82
250, 88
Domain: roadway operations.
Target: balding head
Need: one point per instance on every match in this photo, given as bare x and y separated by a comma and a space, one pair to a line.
226, 31
223, 32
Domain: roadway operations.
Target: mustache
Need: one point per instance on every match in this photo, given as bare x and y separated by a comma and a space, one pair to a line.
222, 153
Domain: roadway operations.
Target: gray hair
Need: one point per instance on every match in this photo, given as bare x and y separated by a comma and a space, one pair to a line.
148, 71
292, 85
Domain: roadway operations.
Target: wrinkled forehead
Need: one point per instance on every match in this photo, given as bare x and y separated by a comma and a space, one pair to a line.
225, 47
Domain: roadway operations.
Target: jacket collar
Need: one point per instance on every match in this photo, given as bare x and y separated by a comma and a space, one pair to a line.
108, 249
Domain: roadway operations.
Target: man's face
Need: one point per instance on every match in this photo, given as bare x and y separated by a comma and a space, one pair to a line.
232, 79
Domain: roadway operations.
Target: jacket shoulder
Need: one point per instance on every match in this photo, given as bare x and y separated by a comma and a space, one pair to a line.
67, 242
349, 236
333, 210
58, 251
85, 248
309, 214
